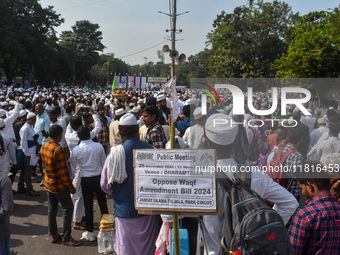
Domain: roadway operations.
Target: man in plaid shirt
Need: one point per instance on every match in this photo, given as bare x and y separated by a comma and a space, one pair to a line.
155, 134
103, 135
315, 227
59, 186
293, 162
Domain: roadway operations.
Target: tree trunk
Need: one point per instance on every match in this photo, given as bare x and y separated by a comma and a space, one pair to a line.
319, 99
8, 70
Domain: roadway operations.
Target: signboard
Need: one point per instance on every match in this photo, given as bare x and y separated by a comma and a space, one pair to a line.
157, 79
175, 181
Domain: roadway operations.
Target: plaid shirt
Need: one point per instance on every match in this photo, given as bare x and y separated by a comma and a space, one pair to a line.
315, 228
156, 136
293, 161
56, 170
103, 135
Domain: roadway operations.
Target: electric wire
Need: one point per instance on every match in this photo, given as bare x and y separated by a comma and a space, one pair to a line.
142, 50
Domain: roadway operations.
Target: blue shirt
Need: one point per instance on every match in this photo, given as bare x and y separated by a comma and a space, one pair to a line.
182, 125
123, 194
43, 123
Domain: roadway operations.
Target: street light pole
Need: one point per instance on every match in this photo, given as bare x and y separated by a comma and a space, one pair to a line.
108, 67
173, 37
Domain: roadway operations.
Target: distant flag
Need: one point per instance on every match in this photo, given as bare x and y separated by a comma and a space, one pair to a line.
176, 110
114, 84
167, 86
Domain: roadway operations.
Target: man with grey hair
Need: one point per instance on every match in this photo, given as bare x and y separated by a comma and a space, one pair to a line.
41, 127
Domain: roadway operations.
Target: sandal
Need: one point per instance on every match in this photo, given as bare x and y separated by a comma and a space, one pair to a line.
79, 225
59, 237
72, 242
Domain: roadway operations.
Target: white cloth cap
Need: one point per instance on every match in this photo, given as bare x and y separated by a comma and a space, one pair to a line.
2, 123
198, 113
321, 121
135, 109
2, 113
4, 104
23, 113
160, 97
128, 120
140, 101
119, 112
31, 115
229, 107
222, 111
190, 102
219, 130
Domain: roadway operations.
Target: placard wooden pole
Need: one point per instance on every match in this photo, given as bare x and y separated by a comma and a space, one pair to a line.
175, 214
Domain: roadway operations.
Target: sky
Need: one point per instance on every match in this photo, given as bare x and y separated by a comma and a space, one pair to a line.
132, 26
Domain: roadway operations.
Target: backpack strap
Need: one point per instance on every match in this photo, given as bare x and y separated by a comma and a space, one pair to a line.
278, 154
225, 182
252, 129
283, 159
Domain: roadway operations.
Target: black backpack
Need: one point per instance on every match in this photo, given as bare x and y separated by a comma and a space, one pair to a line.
251, 226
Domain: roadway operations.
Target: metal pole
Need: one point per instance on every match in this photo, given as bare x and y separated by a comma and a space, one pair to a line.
172, 128
173, 37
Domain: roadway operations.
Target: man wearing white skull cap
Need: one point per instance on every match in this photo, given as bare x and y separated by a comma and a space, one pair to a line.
220, 134
115, 137
7, 149
117, 179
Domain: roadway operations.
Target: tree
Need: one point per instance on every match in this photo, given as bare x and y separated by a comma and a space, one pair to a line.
81, 48
314, 47
27, 36
195, 67
314, 52
246, 42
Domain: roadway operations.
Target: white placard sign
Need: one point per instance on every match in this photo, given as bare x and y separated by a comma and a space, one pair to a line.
175, 180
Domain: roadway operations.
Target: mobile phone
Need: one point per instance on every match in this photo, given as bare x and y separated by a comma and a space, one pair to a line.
85, 109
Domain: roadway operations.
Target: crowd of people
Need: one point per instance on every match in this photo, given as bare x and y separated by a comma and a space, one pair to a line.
82, 142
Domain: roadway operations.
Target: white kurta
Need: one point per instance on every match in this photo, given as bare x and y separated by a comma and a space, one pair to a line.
27, 133
194, 137
285, 205
9, 154
332, 145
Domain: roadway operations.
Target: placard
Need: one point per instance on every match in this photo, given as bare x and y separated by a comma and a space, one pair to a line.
175, 180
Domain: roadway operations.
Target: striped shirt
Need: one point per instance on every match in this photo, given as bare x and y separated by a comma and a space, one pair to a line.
56, 170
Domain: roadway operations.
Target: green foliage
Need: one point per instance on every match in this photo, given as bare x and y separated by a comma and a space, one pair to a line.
81, 46
195, 67
314, 46
27, 36
246, 42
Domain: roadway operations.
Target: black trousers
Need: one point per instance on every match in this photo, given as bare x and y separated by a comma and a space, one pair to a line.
90, 185
64, 198
26, 175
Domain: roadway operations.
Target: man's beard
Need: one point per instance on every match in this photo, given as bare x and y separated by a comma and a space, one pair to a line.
163, 108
